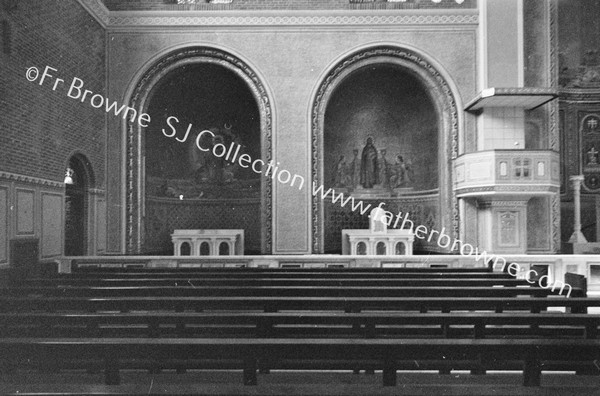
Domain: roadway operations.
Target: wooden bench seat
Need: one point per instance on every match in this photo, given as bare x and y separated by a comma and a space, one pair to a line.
288, 275
296, 319
274, 304
241, 281
229, 270
285, 324
250, 351
283, 291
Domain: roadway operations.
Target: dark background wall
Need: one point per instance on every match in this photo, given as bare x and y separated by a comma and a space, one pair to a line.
579, 35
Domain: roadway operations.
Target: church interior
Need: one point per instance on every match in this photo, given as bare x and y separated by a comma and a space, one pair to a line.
300, 196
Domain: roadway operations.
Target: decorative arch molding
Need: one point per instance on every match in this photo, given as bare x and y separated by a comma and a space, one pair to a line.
86, 167
444, 101
139, 100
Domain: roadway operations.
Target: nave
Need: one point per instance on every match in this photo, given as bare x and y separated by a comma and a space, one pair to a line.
306, 331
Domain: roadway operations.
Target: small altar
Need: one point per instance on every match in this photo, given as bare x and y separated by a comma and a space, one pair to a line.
377, 240
208, 242
363, 242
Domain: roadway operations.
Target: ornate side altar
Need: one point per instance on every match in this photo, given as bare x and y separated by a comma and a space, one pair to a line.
208, 242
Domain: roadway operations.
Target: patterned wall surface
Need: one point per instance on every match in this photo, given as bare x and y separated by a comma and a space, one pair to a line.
165, 215
421, 210
204, 5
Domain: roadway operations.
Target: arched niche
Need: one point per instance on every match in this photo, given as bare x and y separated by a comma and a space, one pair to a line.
400, 249
218, 71
342, 121
224, 249
185, 249
79, 181
204, 249
361, 248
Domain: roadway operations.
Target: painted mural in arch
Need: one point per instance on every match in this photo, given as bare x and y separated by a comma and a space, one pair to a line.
185, 187
209, 97
381, 134
384, 130
180, 189
381, 145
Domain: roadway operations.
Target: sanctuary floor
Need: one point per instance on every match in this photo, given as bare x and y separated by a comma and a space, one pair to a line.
293, 383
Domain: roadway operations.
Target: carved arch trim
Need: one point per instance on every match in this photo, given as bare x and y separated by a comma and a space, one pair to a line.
443, 98
139, 99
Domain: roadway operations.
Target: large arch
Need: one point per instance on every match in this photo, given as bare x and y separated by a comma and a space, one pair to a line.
139, 100
445, 103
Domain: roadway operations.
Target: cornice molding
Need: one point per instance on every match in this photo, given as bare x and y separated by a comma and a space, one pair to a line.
119, 19
14, 177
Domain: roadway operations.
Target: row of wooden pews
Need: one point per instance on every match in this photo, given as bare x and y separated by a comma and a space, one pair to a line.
264, 319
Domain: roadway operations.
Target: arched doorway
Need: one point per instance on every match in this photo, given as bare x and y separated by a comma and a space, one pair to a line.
394, 104
171, 184
78, 181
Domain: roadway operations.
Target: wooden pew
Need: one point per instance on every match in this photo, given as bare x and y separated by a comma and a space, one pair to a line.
241, 281
286, 324
288, 275
283, 291
391, 270
387, 291
274, 304
249, 351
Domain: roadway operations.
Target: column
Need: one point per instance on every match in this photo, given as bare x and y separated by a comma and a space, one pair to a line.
577, 236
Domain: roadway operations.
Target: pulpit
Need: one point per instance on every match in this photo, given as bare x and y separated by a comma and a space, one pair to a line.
208, 242
378, 240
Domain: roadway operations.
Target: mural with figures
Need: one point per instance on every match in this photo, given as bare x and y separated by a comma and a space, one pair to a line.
381, 145
381, 135
187, 188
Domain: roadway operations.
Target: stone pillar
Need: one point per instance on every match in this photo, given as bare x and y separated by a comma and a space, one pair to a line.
577, 236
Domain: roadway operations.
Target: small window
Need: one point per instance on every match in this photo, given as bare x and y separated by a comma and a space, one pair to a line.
381, 249
522, 168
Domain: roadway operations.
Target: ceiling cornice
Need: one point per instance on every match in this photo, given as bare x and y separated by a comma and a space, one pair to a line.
136, 19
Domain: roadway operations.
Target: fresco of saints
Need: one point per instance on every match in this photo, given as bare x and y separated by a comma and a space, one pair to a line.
354, 171
384, 177
369, 169
340, 173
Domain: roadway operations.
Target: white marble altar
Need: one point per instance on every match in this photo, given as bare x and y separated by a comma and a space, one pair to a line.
208, 242
378, 240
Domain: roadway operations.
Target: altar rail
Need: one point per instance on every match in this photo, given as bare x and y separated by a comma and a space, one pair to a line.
555, 265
